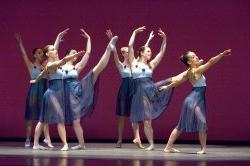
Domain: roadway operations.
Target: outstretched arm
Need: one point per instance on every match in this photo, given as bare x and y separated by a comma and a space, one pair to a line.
201, 69
131, 44
80, 65
26, 59
53, 65
151, 36
118, 63
59, 38
176, 80
155, 62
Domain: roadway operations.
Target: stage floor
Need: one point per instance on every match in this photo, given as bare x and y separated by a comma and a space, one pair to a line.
104, 154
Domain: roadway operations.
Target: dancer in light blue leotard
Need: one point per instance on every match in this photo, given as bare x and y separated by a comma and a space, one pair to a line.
147, 101
80, 95
35, 93
193, 117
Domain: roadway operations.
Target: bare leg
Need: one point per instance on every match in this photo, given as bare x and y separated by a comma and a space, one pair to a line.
149, 134
38, 132
62, 135
173, 136
121, 122
105, 58
203, 142
47, 139
137, 139
79, 135
28, 126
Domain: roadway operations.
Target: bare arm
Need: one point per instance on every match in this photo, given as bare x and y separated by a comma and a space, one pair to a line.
118, 63
80, 65
151, 36
176, 81
155, 62
53, 65
131, 44
59, 38
201, 69
26, 59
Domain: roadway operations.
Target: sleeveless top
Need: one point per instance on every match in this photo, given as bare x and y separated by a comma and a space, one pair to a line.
58, 74
69, 72
200, 82
141, 71
35, 72
125, 71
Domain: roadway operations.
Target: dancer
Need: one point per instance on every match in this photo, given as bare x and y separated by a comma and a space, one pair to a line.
53, 110
147, 101
193, 115
35, 93
123, 101
80, 95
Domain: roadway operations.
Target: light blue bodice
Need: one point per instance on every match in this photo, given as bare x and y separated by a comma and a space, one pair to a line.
58, 74
35, 72
200, 82
125, 71
141, 70
69, 72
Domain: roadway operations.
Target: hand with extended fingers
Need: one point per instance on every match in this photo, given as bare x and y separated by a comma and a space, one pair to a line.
109, 34
161, 33
140, 29
62, 34
18, 37
84, 33
226, 52
164, 87
81, 53
151, 35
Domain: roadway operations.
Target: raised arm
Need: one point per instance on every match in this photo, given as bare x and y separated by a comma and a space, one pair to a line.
118, 63
155, 62
80, 65
26, 59
131, 44
151, 36
53, 65
59, 38
201, 69
176, 80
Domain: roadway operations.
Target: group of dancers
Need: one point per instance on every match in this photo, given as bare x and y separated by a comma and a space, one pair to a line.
68, 99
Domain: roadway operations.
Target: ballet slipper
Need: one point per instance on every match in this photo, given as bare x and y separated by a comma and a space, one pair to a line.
137, 142
78, 147
171, 150
65, 147
39, 147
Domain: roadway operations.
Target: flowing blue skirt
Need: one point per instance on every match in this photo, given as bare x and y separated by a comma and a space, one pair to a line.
193, 117
147, 101
53, 108
80, 96
34, 100
123, 100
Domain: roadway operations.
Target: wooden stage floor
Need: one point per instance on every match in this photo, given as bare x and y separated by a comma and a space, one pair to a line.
104, 154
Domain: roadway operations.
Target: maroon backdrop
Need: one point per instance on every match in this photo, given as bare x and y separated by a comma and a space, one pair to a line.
206, 27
